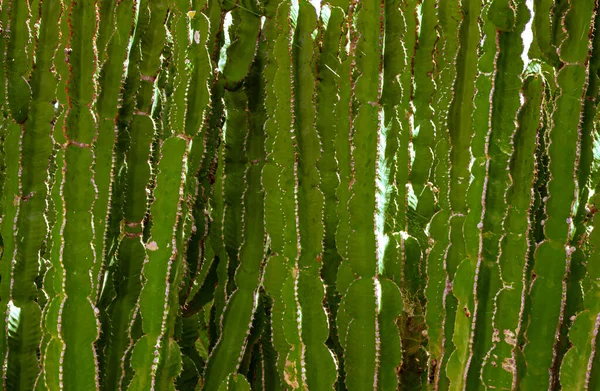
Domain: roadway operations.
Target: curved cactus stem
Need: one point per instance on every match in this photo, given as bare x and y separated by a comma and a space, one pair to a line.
552, 256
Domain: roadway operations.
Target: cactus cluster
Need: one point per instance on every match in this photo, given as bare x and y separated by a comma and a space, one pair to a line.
299, 195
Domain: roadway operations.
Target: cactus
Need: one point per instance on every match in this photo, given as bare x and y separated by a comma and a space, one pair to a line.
299, 195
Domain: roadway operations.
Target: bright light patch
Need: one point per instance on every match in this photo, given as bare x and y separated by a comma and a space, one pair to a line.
325, 16
223, 54
383, 194
317, 5
527, 35
378, 294
14, 315
294, 10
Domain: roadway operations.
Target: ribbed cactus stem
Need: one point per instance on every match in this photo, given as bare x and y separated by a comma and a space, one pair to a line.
79, 327
576, 370
508, 22
331, 28
396, 263
552, 256
238, 314
115, 47
30, 95
441, 304
500, 366
281, 205
320, 366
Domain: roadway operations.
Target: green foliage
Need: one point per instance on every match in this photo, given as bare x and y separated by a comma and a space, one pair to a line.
293, 195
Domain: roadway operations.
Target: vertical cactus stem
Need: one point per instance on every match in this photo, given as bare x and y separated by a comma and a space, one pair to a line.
342, 141
476, 189
237, 64
51, 376
106, 167
543, 44
194, 64
112, 49
130, 197
31, 93
460, 127
578, 363
200, 159
421, 177
233, 184
279, 179
218, 204
204, 123
198, 97
243, 31
238, 314
345, 275
394, 258
488, 228
9, 188
441, 305
10, 200
407, 217
500, 368
586, 183
331, 28
320, 367
156, 358
53, 343
552, 256
424, 129
80, 326
359, 307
